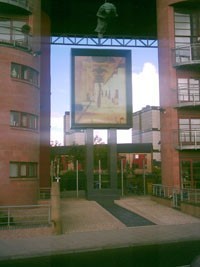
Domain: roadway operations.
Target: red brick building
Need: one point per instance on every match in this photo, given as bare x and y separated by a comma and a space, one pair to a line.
178, 24
25, 101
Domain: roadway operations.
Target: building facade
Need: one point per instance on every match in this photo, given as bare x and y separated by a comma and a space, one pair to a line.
25, 101
146, 128
72, 137
178, 24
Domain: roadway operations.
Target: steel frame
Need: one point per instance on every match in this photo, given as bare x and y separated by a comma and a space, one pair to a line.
105, 41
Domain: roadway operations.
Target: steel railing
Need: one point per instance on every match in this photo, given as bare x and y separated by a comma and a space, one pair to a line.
25, 216
186, 139
177, 195
183, 55
193, 99
190, 195
26, 4
11, 36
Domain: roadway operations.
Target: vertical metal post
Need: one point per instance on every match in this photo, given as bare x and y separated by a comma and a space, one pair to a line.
99, 174
77, 179
52, 171
195, 196
144, 177
89, 161
8, 217
122, 177
49, 214
112, 142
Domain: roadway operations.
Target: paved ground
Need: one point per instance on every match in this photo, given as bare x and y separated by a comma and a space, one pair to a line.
155, 212
87, 226
129, 218
82, 215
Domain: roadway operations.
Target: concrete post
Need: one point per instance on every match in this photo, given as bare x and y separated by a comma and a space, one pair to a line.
55, 208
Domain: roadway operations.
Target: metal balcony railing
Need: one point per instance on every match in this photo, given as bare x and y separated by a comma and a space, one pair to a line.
15, 37
186, 55
189, 98
25, 4
187, 139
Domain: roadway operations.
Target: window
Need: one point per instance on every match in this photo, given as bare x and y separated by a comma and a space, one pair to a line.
25, 73
23, 120
187, 34
14, 118
187, 27
10, 31
23, 169
190, 130
182, 29
14, 170
188, 90
190, 173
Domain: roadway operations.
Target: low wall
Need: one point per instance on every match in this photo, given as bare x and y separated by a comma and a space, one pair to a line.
190, 209
73, 194
163, 201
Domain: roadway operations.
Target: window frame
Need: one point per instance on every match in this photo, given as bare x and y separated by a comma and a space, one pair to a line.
24, 73
186, 27
24, 120
188, 89
30, 169
12, 30
188, 173
189, 132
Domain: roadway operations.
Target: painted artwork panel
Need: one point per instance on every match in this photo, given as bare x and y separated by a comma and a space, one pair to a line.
100, 97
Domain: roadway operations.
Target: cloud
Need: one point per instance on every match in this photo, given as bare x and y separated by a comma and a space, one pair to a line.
145, 87
57, 128
124, 136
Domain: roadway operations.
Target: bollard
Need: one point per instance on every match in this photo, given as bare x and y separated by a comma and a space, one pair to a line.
55, 208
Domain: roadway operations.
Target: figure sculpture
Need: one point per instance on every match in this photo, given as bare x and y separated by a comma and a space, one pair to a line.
105, 13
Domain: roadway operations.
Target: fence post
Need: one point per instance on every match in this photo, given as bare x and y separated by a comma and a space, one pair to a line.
122, 177
77, 180
8, 217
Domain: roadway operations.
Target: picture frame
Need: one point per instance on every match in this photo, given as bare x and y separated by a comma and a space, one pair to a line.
101, 89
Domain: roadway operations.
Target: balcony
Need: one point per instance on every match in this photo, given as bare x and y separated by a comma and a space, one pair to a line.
186, 56
26, 5
188, 97
187, 139
14, 37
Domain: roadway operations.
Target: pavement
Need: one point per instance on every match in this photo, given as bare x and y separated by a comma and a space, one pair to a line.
87, 226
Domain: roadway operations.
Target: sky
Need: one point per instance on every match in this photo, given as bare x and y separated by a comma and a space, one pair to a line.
145, 88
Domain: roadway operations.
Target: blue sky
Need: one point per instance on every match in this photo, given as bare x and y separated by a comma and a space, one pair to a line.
144, 90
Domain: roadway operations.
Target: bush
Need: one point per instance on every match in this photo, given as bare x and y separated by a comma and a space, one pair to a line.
4, 219
68, 181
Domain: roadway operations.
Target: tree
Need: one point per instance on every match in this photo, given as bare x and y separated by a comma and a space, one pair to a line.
98, 140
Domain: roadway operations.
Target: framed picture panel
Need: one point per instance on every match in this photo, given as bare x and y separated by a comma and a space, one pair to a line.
101, 89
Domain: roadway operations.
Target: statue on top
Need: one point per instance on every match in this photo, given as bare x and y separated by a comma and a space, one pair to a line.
105, 13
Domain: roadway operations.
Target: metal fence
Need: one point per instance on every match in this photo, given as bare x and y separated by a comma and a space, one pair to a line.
25, 216
45, 193
176, 194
